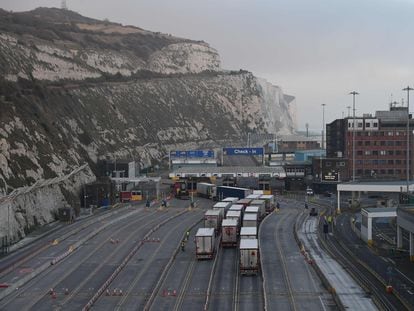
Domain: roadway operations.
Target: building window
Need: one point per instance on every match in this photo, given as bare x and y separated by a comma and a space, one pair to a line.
375, 152
375, 124
390, 171
367, 172
382, 162
390, 134
383, 152
328, 164
382, 172
358, 162
398, 172
390, 152
397, 161
367, 143
390, 143
397, 152
359, 143
375, 162
382, 143
391, 162
360, 124
359, 152
359, 172
367, 152
367, 124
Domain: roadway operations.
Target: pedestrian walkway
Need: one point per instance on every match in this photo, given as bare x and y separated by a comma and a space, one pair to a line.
350, 294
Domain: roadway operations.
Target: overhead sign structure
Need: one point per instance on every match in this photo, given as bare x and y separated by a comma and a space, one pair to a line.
243, 151
192, 154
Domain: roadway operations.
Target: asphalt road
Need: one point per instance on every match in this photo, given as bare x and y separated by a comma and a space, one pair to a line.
88, 266
290, 282
157, 275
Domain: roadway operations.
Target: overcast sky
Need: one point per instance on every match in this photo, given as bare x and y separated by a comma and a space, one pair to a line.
316, 50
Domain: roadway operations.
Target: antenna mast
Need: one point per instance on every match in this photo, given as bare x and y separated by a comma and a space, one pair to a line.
63, 5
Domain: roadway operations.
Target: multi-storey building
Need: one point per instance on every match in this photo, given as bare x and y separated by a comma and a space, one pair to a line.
380, 144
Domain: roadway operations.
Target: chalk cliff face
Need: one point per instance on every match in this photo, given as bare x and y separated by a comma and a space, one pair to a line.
74, 90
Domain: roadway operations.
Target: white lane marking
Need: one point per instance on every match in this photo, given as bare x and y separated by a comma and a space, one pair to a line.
323, 306
411, 281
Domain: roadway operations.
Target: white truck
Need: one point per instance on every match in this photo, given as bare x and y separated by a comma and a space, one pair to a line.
249, 256
248, 233
212, 219
205, 243
229, 233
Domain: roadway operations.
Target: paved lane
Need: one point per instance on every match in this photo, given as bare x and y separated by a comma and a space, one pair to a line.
290, 284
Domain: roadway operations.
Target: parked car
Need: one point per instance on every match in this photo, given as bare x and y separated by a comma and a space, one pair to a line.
309, 191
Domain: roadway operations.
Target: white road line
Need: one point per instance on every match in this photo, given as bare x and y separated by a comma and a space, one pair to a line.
406, 277
323, 306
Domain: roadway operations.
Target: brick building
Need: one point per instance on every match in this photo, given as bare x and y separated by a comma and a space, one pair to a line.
380, 144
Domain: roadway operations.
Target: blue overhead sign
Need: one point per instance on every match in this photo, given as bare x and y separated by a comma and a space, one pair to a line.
192, 154
243, 151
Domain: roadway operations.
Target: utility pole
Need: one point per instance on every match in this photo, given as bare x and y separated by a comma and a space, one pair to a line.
408, 89
353, 93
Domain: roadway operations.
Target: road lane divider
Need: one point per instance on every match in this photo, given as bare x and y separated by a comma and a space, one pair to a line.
105, 285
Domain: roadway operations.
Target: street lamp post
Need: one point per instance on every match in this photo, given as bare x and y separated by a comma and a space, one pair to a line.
408, 89
322, 147
323, 125
353, 93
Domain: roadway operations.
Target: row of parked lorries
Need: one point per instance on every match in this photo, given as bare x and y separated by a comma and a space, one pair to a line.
234, 222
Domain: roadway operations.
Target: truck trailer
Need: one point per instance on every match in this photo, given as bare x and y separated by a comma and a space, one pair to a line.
207, 190
249, 256
261, 204
205, 243
229, 233
248, 233
250, 220
225, 191
212, 219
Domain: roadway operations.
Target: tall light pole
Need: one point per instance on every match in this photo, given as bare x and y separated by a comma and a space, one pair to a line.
408, 89
323, 125
353, 93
